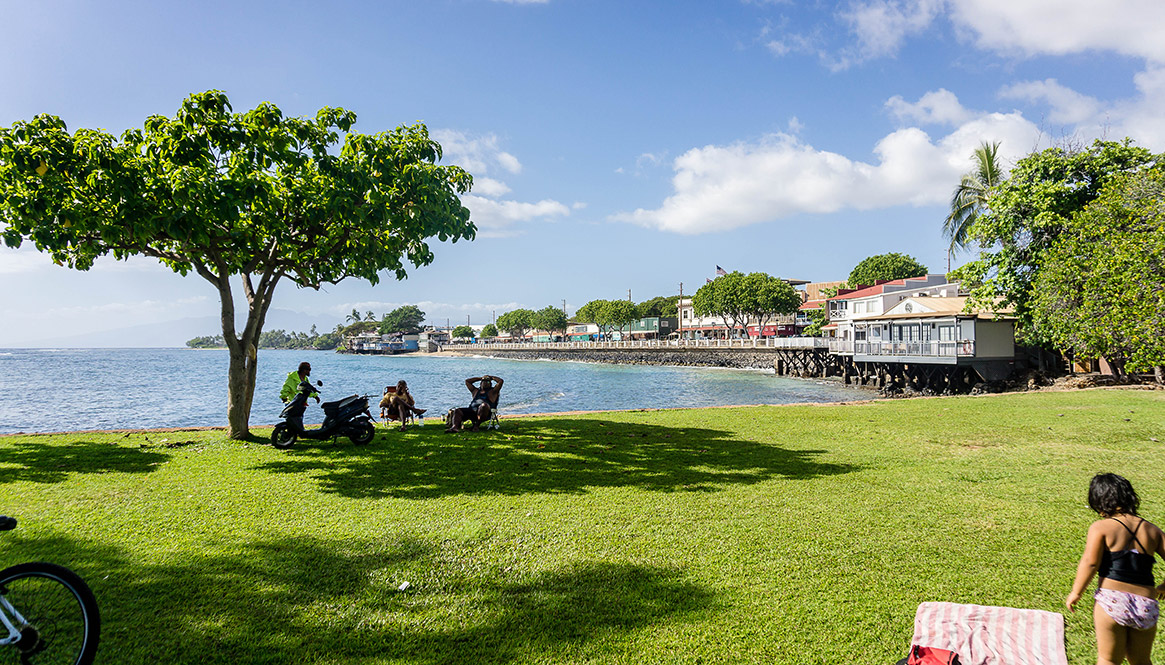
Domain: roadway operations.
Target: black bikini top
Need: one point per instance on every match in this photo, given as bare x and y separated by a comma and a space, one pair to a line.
1128, 565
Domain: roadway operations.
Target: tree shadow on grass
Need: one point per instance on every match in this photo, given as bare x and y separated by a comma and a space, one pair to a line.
306, 600
49, 462
548, 455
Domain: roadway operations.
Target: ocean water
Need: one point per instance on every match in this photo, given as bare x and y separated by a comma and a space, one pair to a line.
54, 390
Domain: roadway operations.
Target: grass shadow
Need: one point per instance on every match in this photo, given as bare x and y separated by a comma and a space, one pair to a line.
308, 600
549, 455
43, 462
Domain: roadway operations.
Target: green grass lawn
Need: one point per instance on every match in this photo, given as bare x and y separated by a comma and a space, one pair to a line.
767, 534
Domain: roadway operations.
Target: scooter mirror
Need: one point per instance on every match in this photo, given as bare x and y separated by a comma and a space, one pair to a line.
320, 383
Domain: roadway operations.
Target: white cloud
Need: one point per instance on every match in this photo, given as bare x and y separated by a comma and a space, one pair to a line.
495, 218
24, 260
509, 162
939, 107
490, 187
1129, 27
477, 154
648, 159
1138, 117
481, 155
725, 187
155, 308
880, 26
435, 312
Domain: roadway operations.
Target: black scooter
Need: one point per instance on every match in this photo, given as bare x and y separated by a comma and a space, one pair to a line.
348, 417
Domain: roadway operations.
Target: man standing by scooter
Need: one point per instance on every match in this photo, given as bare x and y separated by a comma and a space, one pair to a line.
291, 385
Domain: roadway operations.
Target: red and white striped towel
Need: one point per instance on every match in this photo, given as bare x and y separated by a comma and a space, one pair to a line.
984, 635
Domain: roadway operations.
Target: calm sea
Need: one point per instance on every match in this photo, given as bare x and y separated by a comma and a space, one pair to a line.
52, 390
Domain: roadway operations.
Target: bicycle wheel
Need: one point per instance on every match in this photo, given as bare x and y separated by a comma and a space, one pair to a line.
60, 611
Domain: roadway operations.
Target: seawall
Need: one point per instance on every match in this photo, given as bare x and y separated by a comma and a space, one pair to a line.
734, 358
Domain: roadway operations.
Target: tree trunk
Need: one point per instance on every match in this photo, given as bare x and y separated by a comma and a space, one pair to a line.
240, 390
243, 348
1159, 374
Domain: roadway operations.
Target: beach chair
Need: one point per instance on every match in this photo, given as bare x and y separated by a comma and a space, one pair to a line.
392, 417
985, 635
492, 423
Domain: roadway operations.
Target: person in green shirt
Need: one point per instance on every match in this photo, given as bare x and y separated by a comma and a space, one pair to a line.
291, 385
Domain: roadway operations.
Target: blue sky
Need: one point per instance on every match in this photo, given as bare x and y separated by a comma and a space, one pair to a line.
615, 145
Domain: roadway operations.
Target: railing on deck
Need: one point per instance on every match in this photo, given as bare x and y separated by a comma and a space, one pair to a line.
950, 349
752, 343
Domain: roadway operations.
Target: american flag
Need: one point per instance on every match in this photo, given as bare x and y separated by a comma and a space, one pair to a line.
720, 271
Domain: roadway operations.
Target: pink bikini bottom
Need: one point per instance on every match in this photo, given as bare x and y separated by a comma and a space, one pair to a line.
1128, 609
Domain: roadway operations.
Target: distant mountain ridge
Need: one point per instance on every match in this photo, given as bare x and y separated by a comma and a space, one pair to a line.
170, 334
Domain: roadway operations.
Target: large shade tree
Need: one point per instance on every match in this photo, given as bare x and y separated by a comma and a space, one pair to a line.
551, 319
254, 198
1101, 288
608, 315
739, 298
517, 322
884, 268
407, 319
1028, 212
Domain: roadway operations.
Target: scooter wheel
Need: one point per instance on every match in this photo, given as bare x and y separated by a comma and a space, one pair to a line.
282, 437
362, 433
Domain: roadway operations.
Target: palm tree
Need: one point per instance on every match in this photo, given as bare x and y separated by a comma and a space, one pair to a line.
354, 317
369, 316
970, 197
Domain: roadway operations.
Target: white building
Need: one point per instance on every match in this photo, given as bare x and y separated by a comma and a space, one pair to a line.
849, 307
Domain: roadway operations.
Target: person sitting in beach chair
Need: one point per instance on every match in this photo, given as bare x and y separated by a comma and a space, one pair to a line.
485, 390
398, 404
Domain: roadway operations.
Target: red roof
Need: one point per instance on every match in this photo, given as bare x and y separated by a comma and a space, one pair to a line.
812, 304
878, 289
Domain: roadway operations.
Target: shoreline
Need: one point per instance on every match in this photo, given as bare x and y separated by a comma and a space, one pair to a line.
519, 416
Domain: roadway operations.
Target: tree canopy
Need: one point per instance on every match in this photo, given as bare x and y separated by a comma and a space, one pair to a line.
665, 306
739, 298
590, 312
1028, 212
256, 196
407, 320
608, 315
970, 197
550, 318
463, 332
517, 322
489, 331
884, 267
1101, 286
618, 314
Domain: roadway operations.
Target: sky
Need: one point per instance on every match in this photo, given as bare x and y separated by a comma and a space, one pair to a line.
616, 146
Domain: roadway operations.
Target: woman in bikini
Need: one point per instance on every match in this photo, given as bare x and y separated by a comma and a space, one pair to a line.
1119, 549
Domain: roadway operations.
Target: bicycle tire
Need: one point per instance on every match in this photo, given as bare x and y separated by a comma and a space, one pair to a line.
63, 621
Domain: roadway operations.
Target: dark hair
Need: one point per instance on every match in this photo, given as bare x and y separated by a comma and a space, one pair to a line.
1110, 494
304, 366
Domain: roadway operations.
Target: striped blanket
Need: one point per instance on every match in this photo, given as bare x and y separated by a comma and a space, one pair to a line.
983, 635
